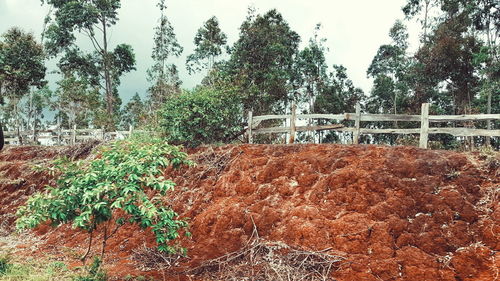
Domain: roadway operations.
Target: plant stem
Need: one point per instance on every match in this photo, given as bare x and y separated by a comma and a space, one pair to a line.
84, 257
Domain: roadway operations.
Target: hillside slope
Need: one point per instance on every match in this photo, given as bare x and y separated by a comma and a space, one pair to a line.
367, 212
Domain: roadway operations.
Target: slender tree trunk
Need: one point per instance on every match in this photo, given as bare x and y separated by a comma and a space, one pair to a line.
107, 76
311, 109
104, 240
33, 115
18, 122
395, 101
427, 2
2, 141
490, 90
84, 257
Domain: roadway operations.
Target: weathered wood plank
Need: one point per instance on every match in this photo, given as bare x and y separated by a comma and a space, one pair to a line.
369, 117
388, 117
269, 117
390, 131
88, 137
465, 132
469, 117
322, 116
336, 127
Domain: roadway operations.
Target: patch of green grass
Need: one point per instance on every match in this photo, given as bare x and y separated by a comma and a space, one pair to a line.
34, 270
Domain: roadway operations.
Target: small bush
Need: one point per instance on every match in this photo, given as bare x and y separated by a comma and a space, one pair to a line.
4, 264
203, 116
124, 183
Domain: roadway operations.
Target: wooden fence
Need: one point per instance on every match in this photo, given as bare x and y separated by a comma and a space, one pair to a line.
64, 136
424, 118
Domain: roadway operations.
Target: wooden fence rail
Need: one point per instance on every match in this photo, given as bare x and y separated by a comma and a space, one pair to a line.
64, 136
424, 118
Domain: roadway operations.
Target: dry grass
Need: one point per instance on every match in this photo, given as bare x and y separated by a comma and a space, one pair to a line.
264, 260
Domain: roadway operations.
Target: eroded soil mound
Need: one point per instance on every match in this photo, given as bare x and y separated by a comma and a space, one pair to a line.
384, 213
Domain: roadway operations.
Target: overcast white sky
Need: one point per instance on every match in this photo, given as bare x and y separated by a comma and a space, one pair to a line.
354, 29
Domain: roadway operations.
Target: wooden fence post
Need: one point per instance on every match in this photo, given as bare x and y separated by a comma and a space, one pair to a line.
293, 116
130, 130
357, 124
250, 125
103, 134
424, 126
73, 135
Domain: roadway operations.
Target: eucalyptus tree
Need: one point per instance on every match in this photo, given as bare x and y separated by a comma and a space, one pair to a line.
461, 50
92, 19
21, 67
310, 73
262, 61
312, 69
76, 99
39, 100
209, 42
423, 9
163, 75
389, 68
337, 95
134, 113
486, 19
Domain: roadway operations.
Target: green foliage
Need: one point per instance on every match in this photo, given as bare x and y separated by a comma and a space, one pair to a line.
163, 76
103, 67
4, 264
77, 100
389, 68
95, 272
88, 194
205, 115
21, 63
21, 67
134, 113
311, 70
209, 41
47, 268
339, 94
262, 61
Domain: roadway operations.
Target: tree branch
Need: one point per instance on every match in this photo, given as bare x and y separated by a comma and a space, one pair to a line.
90, 34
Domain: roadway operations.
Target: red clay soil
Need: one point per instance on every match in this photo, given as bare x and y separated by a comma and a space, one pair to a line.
19, 179
392, 213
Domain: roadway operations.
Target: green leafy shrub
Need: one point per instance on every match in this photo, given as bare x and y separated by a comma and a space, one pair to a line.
205, 115
123, 183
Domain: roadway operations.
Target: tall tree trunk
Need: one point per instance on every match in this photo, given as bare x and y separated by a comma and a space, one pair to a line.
18, 122
2, 141
426, 14
107, 76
